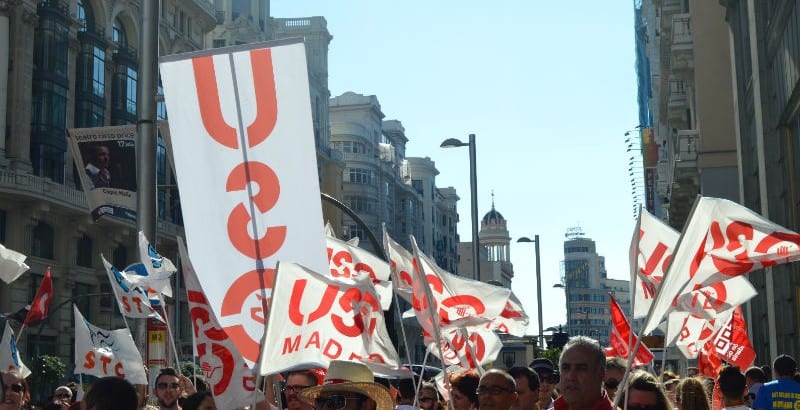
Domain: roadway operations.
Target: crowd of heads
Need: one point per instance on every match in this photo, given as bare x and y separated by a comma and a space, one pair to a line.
582, 378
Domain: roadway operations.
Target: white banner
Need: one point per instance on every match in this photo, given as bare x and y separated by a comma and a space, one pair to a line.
107, 157
132, 300
348, 261
722, 239
245, 158
9, 355
652, 246
100, 352
12, 264
316, 318
232, 382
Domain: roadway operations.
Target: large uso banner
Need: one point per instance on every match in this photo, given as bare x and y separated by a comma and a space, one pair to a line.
242, 136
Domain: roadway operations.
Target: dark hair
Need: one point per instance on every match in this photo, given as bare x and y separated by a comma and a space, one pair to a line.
731, 382
755, 373
784, 365
644, 381
167, 371
407, 388
193, 402
518, 372
466, 383
111, 393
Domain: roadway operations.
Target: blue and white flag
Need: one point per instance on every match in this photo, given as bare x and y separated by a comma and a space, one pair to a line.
9, 355
100, 352
133, 300
154, 271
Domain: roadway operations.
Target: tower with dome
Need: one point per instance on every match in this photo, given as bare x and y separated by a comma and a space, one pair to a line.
495, 251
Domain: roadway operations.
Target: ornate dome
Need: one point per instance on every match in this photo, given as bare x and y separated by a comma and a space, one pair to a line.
493, 217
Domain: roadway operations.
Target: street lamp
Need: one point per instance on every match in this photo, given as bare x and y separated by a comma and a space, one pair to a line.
535, 240
566, 302
473, 186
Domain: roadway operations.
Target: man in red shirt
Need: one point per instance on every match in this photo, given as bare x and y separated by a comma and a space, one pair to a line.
583, 368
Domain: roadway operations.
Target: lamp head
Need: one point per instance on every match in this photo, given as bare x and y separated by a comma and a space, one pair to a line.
453, 142
525, 239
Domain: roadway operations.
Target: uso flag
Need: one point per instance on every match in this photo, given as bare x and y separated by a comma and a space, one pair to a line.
245, 160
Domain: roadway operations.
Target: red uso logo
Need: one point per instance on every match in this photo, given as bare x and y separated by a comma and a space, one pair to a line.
341, 265
247, 287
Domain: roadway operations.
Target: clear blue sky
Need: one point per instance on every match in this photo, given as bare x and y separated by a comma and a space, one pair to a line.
549, 89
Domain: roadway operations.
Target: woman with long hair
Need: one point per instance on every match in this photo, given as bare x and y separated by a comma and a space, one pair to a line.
691, 394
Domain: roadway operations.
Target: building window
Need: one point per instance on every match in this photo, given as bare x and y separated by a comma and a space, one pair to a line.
84, 257
120, 257
360, 176
218, 42
354, 231
43, 241
417, 185
84, 303
362, 204
2, 226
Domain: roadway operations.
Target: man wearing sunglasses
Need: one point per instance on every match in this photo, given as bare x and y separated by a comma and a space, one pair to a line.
615, 369
171, 386
548, 381
497, 390
348, 386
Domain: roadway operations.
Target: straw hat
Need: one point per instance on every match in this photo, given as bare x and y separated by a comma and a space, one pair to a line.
344, 376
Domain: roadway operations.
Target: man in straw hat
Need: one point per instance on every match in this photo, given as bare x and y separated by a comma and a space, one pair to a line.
348, 386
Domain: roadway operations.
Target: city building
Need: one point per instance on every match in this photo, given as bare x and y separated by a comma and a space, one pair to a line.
724, 115
586, 287
72, 64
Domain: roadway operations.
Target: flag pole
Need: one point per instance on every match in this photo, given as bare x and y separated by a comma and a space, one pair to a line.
21, 331
171, 338
395, 279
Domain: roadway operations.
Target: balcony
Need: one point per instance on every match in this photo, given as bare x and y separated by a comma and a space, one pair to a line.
677, 102
682, 44
686, 149
358, 157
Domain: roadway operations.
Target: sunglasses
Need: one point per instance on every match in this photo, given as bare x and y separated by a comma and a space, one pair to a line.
16, 388
62, 395
611, 383
173, 386
294, 387
334, 402
552, 378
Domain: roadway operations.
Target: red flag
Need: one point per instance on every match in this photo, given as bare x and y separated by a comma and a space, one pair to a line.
620, 336
41, 302
708, 363
732, 343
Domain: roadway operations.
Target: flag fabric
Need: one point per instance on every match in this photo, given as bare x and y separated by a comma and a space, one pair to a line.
243, 142
460, 343
621, 337
12, 264
232, 381
713, 300
133, 300
9, 355
157, 269
651, 251
100, 352
732, 344
512, 320
721, 239
346, 261
316, 318
41, 302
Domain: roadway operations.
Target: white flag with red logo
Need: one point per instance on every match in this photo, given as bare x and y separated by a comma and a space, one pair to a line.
9, 355
722, 239
484, 343
12, 264
245, 159
716, 299
621, 336
133, 300
513, 320
232, 382
316, 318
347, 261
41, 302
651, 251
100, 352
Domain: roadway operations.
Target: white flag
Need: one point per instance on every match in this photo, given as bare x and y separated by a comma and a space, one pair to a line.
12, 264
483, 342
315, 318
133, 300
9, 355
651, 250
347, 261
232, 382
158, 269
100, 352
722, 239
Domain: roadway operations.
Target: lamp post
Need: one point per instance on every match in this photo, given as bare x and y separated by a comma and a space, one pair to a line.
538, 283
566, 302
473, 186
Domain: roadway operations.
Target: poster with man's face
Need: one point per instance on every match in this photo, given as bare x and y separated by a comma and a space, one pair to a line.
106, 161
